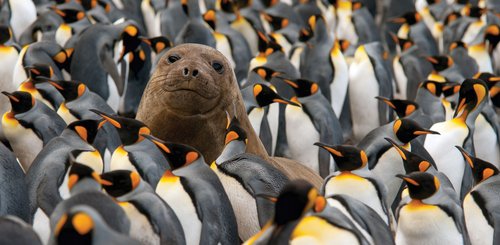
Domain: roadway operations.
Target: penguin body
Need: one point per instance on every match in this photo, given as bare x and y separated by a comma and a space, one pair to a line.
368, 78
366, 220
86, 223
457, 131
22, 13
340, 80
29, 126
354, 179
196, 195
17, 231
195, 30
249, 182
8, 60
14, 194
317, 122
480, 204
101, 42
410, 70
425, 210
154, 222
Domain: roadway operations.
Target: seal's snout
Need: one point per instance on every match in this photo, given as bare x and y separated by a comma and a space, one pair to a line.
194, 72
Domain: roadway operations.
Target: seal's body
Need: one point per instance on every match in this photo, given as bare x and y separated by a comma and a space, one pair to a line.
186, 101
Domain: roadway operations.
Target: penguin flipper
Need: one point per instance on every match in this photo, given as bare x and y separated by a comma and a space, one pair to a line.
336, 218
265, 134
265, 210
48, 196
467, 181
111, 67
162, 218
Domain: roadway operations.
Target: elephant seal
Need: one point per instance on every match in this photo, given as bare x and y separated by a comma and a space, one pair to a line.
186, 101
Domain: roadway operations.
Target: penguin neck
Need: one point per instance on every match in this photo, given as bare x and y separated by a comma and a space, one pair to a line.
85, 185
232, 149
142, 187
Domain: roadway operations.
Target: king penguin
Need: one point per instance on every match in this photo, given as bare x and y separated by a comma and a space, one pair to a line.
480, 204
458, 131
29, 126
152, 220
426, 216
10, 54
313, 121
196, 195
195, 30
262, 112
252, 192
84, 224
354, 179
300, 218
368, 78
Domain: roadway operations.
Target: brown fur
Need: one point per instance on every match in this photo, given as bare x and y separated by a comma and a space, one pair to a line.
193, 110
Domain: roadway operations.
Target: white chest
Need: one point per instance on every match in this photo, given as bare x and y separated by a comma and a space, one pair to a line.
140, 227
480, 232
301, 135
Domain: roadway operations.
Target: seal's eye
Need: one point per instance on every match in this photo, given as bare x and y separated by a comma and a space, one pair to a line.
173, 58
218, 67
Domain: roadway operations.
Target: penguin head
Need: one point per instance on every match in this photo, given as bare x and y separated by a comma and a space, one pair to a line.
451, 17
411, 161
347, 157
472, 95
343, 44
129, 130
177, 155
267, 45
269, 3
120, 182
318, 27
297, 198
5, 34
79, 173
406, 130
356, 5
234, 131
265, 73
211, 18
481, 170
277, 22
421, 185
403, 108
303, 87
229, 6
88, 4
86, 129
440, 62
131, 40
492, 35
74, 228
70, 90
404, 43
63, 59
450, 88
473, 11
39, 72
458, 44
158, 44
69, 12
305, 34
265, 96
433, 87
20, 101
409, 18
489, 78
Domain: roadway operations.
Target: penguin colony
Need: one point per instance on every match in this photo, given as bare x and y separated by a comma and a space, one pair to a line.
393, 103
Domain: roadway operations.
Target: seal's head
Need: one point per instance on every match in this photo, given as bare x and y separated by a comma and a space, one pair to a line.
191, 79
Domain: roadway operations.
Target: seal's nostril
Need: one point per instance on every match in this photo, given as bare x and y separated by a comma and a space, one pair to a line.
185, 71
195, 72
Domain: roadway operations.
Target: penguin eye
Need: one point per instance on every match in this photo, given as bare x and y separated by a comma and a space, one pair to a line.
173, 58
218, 67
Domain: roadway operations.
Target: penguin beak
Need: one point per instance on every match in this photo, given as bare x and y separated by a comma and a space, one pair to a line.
145, 40
408, 180
425, 131
12, 97
432, 60
330, 149
107, 118
282, 100
291, 83
461, 107
157, 142
397, 147
55, 84
466, 156
386, 100
398, 20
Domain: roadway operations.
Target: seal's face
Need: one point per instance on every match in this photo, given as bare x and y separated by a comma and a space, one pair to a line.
190, 79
